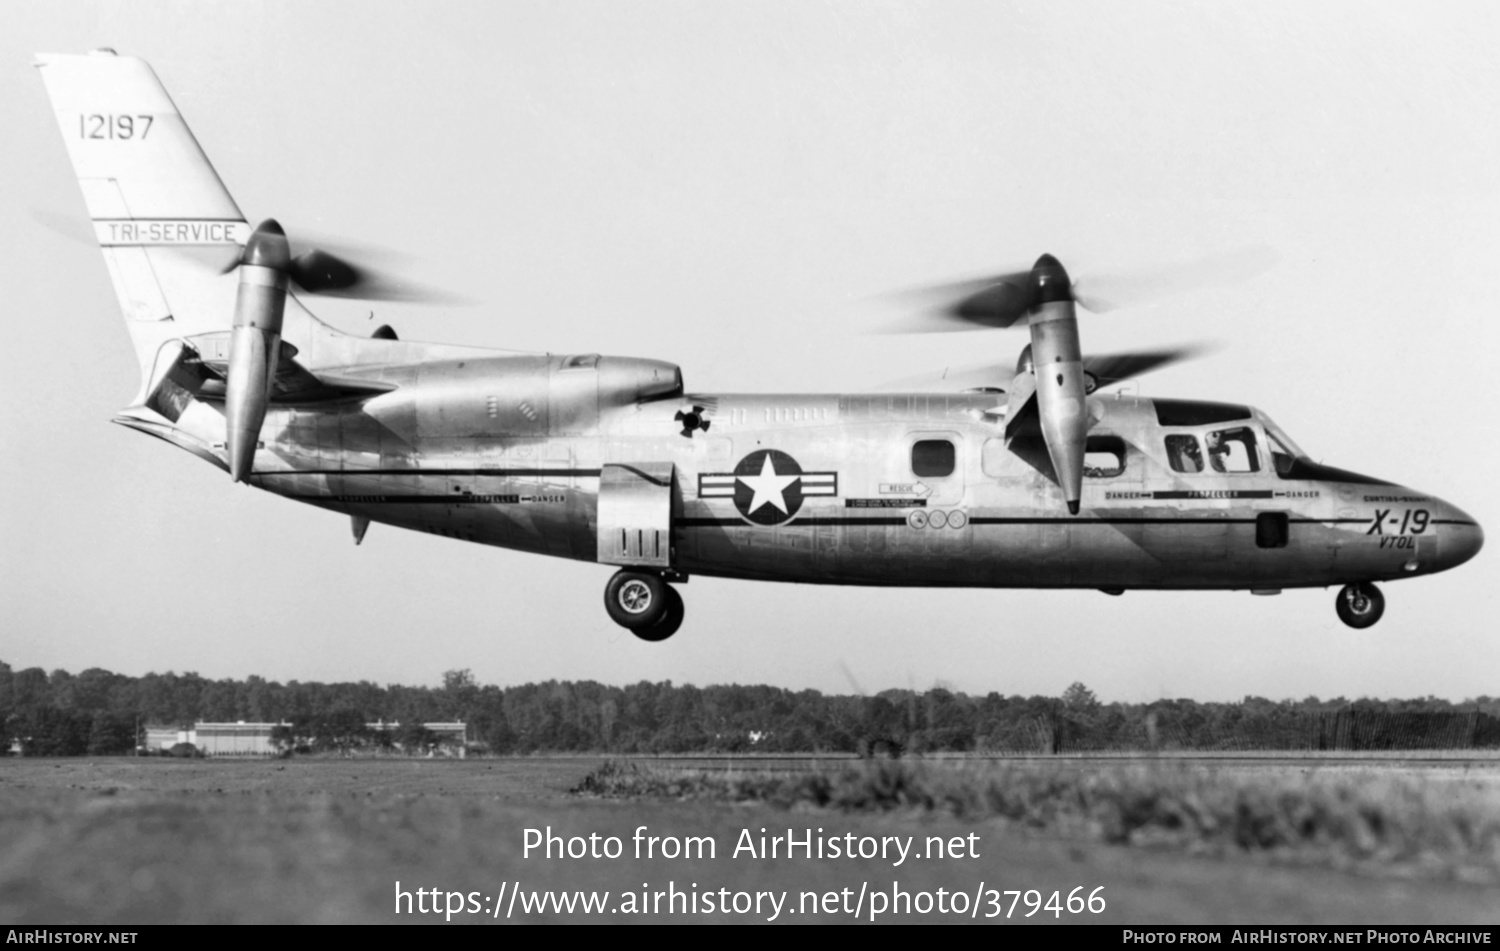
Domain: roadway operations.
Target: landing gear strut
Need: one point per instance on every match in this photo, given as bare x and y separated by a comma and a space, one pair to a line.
644, 604
1360, 605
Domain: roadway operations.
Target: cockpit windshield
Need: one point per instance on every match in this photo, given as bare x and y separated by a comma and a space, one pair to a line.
1293, 463
1283, 451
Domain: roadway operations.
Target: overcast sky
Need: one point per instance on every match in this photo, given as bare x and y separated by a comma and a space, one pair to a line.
732, 187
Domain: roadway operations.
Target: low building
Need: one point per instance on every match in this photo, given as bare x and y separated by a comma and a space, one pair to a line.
163, 738
254, 739
235, 739
455, 733
450, 738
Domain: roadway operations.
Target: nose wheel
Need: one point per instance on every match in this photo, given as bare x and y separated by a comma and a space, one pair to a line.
644, 604
1359, 605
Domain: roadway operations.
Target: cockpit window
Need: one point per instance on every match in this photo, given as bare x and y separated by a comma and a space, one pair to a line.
1103, 457
1183, 453
1233, 450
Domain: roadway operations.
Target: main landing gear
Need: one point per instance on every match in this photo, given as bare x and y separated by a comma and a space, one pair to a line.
1360, 605
644, 604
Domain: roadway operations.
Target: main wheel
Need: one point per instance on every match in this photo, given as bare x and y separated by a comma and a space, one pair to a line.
636, 600
1360, 605
671, 619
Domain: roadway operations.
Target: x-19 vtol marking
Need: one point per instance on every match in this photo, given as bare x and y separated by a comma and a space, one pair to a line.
1044, 484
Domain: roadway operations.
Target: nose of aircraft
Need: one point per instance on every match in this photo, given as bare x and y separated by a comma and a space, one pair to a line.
1459, 537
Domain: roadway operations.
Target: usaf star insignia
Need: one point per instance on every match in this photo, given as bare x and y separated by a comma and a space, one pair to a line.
767, 486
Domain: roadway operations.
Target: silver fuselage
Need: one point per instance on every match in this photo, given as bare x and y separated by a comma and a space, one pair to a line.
508, 450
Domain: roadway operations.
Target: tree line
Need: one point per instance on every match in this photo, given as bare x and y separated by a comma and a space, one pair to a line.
97, 712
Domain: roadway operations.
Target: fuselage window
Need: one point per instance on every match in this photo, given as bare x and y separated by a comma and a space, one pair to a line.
1183, 454
1103, 457
1233, 450
932, 458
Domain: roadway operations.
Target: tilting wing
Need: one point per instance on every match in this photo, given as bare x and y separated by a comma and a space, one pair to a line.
294, 383
201, 370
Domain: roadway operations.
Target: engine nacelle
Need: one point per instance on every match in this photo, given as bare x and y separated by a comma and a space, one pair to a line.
627, 380
254, 343
1057, 361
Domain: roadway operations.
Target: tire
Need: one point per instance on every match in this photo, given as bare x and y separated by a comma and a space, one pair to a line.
671, 619
1359, 605
635, 600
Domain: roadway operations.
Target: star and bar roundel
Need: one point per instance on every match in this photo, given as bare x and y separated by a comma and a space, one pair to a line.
767, 486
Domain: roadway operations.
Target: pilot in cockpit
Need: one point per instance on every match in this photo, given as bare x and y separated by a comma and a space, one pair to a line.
1218, 449
1183, 454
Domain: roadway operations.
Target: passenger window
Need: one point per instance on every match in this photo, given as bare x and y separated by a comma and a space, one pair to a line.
1103, 457
932, 458
1233, 450
1183, 454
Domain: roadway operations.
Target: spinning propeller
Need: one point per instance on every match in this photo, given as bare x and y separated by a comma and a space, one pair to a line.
266, 268
329, 273
1003, 300
1053, 377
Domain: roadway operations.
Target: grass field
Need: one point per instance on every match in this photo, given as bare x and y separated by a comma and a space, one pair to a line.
143, 841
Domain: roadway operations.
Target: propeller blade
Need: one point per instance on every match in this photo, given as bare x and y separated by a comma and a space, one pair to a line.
993, 300
1107, 291
1002, 300
69, 226
366, 284
1106, 369
1110, 368
999, 305
326, 270
319, 272
325, 266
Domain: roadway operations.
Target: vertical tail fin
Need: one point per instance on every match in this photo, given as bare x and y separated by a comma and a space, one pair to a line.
122, 129
164, 220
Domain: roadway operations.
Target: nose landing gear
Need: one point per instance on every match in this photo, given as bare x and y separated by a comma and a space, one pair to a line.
644, 604
1360, 605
